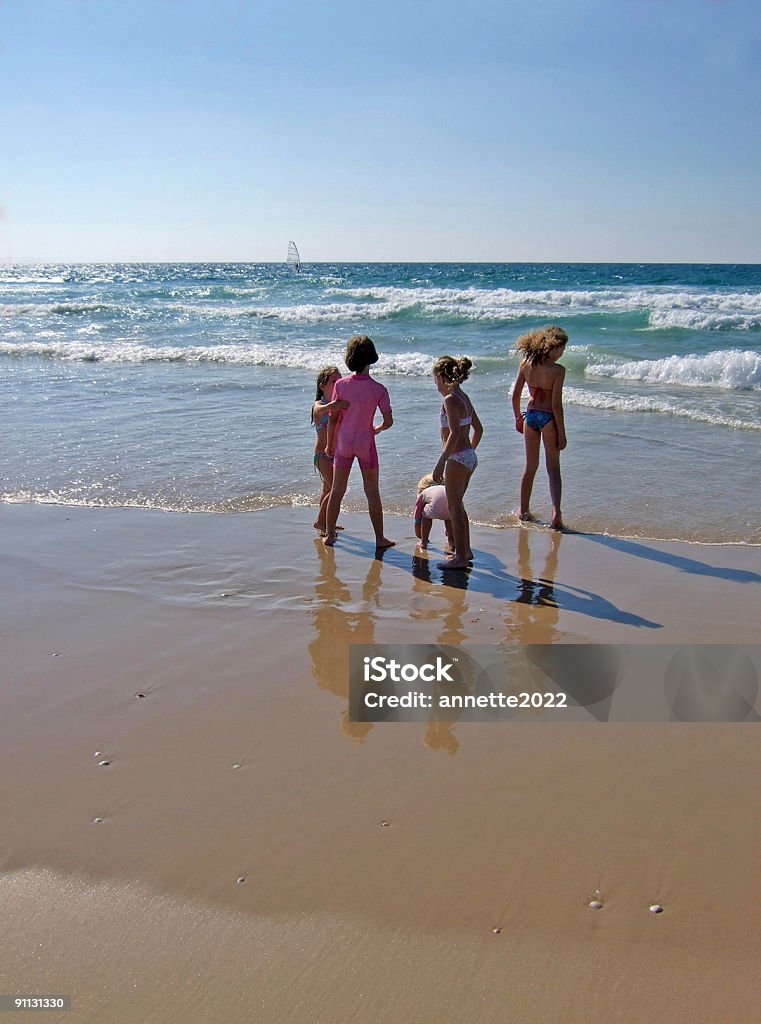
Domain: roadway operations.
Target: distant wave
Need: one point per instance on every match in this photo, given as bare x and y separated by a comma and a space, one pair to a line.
408, 364
663, 308
730, 369
645, 308
642, 403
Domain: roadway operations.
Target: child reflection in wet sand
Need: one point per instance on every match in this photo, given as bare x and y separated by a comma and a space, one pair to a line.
535, 607
448, 616
336, 627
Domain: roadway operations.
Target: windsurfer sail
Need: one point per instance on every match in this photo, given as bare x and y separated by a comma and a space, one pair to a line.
294, 260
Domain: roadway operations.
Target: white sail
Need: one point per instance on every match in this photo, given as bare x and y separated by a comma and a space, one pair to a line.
294, 260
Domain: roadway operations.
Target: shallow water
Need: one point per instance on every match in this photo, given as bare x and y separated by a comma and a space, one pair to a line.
188, 387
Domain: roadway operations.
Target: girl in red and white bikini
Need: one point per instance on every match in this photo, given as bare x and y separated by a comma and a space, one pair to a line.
543, 420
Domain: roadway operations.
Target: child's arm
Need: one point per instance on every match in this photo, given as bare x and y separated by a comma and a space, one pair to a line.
557, 406
330, 444
334, 406
418, 514
384, 406
478, 429
388, 422
520, 380
425, 531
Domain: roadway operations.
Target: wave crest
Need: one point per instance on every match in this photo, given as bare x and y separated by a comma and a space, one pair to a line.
730, 369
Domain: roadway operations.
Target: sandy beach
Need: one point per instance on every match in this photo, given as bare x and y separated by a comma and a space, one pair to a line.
193, 830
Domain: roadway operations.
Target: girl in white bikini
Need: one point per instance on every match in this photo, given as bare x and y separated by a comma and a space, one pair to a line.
461, 432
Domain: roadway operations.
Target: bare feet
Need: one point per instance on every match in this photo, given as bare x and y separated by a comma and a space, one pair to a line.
329, 539
526, 517
383, 543
557, 521
322, 528
454, 563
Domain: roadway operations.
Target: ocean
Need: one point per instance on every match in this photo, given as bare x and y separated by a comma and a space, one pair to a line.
188, 387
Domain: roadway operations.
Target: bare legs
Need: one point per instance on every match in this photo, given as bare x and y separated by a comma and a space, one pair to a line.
374, 507
325, 467
552, 462
532, 441
456, 480
337, 491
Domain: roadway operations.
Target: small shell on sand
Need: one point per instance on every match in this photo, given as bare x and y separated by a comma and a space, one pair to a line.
103, 764
237, 764
497, 931
656, 908
97, 821
385, 824
596, 904
240, 880
139, 696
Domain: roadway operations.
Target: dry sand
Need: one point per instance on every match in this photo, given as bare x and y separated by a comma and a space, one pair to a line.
242, 871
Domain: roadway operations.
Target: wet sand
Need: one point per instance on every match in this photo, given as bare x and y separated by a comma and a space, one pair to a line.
231, 860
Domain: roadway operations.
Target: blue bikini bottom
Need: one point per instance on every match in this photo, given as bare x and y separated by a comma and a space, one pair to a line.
538, 419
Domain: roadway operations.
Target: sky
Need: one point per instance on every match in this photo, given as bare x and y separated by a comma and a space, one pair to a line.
413, 130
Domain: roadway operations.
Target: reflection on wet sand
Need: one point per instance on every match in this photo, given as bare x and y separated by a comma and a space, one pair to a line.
338, 621
532, 616
449, 611
526, 617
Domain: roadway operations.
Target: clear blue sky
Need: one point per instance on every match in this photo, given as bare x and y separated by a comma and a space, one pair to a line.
403, 130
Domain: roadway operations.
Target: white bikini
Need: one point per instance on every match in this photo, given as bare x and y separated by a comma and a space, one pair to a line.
467, 457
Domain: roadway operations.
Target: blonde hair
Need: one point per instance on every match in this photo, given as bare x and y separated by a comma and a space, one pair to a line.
535, 346
424, 481
453, 371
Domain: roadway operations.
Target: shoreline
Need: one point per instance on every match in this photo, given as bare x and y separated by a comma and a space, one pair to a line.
231, 860
390, 513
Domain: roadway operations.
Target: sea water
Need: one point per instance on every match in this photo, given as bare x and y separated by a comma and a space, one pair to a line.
188, 387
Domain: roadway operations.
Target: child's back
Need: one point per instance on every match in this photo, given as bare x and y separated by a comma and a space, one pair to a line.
365, 395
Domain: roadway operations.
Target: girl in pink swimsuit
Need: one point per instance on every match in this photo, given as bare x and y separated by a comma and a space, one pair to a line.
461, 431
352, 435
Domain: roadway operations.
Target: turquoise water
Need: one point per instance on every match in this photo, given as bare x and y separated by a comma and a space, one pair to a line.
188, 386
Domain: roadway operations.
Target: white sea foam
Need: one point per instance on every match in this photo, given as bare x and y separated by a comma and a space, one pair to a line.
665, 308
659, 308
730, 369
408, 364
643, 403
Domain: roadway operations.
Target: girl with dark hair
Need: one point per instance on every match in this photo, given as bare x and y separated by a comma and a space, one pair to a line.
352, 435
322, 407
